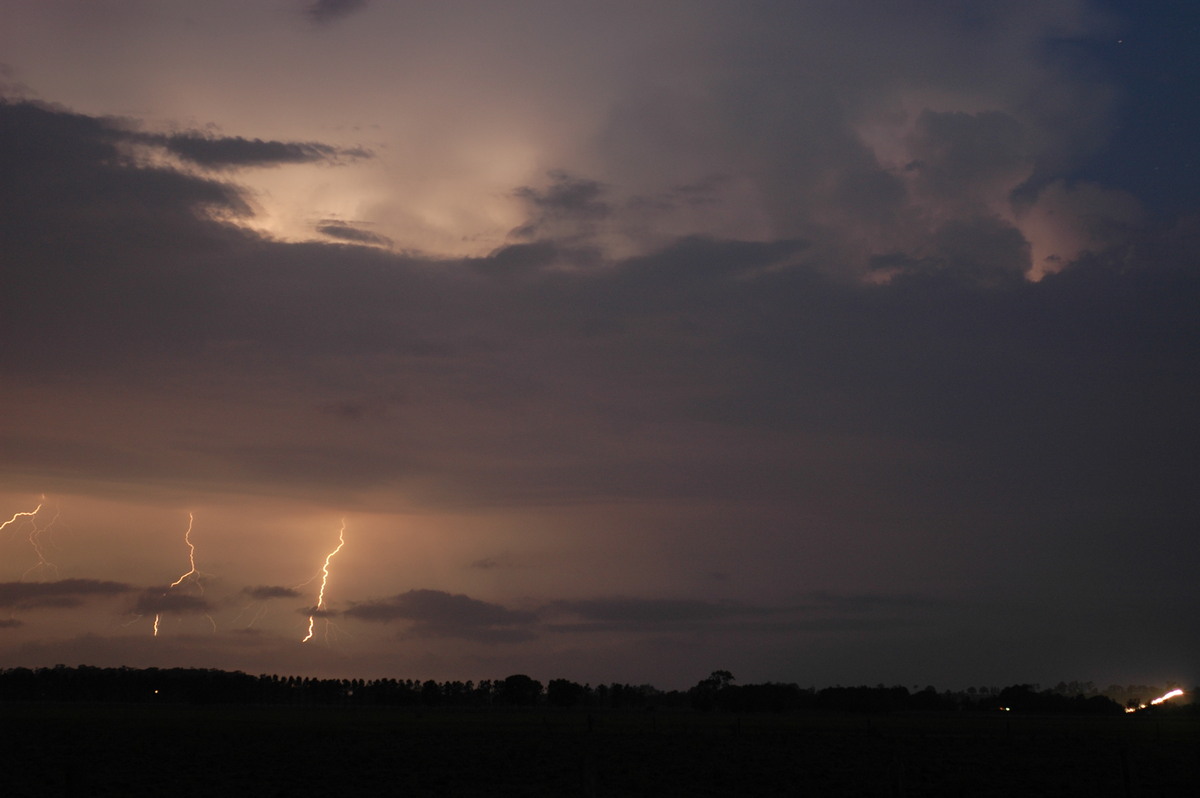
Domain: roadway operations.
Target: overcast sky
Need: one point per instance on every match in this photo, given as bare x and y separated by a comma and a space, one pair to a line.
822, 342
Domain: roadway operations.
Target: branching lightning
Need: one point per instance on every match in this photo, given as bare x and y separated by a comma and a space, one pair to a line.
325, 580
35, 540
35, 536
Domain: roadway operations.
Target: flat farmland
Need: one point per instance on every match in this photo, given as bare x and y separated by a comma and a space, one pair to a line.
99, 749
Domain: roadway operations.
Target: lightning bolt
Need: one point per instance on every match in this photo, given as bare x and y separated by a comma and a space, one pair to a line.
187, 538
35, 540
29, 514
35, 535
325, 580
191, 574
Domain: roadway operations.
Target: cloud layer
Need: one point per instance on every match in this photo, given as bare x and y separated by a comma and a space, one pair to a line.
622, 333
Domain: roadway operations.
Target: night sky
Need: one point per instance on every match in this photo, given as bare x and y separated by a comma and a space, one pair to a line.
822, 342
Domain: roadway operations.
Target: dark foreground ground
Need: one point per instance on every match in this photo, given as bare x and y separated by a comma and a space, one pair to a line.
157, 750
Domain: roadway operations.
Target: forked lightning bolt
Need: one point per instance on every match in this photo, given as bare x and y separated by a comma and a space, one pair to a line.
35, 535
325, 580
35, 540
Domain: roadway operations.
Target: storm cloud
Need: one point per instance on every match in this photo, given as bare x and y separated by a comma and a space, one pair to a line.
790, 325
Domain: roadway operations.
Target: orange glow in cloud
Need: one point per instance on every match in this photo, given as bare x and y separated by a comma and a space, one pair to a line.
325, 580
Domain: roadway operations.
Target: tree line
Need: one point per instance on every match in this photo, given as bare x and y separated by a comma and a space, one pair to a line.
716, 693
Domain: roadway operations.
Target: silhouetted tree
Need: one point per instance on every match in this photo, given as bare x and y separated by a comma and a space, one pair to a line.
520, 690
705, 694
563, 693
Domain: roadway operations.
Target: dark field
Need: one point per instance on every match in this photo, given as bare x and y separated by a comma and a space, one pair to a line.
134, 750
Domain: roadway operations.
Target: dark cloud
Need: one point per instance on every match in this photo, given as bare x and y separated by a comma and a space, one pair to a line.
977, 251
63, 593
955, 402
567, 195
163, 599
324, 12
82, 223
60, 162
434, 613
959, 156
569, 204
235, 152
705, 192
264, 592
354, 235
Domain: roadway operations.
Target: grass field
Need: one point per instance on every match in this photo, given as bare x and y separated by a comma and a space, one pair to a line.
158, 750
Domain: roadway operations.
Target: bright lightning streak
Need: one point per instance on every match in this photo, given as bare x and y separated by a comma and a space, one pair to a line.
187, 538
325, 580
1166, 697
1156, 701
35, 535
13, 520
191, 574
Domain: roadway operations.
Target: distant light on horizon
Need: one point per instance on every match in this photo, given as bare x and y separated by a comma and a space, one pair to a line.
1155, 701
